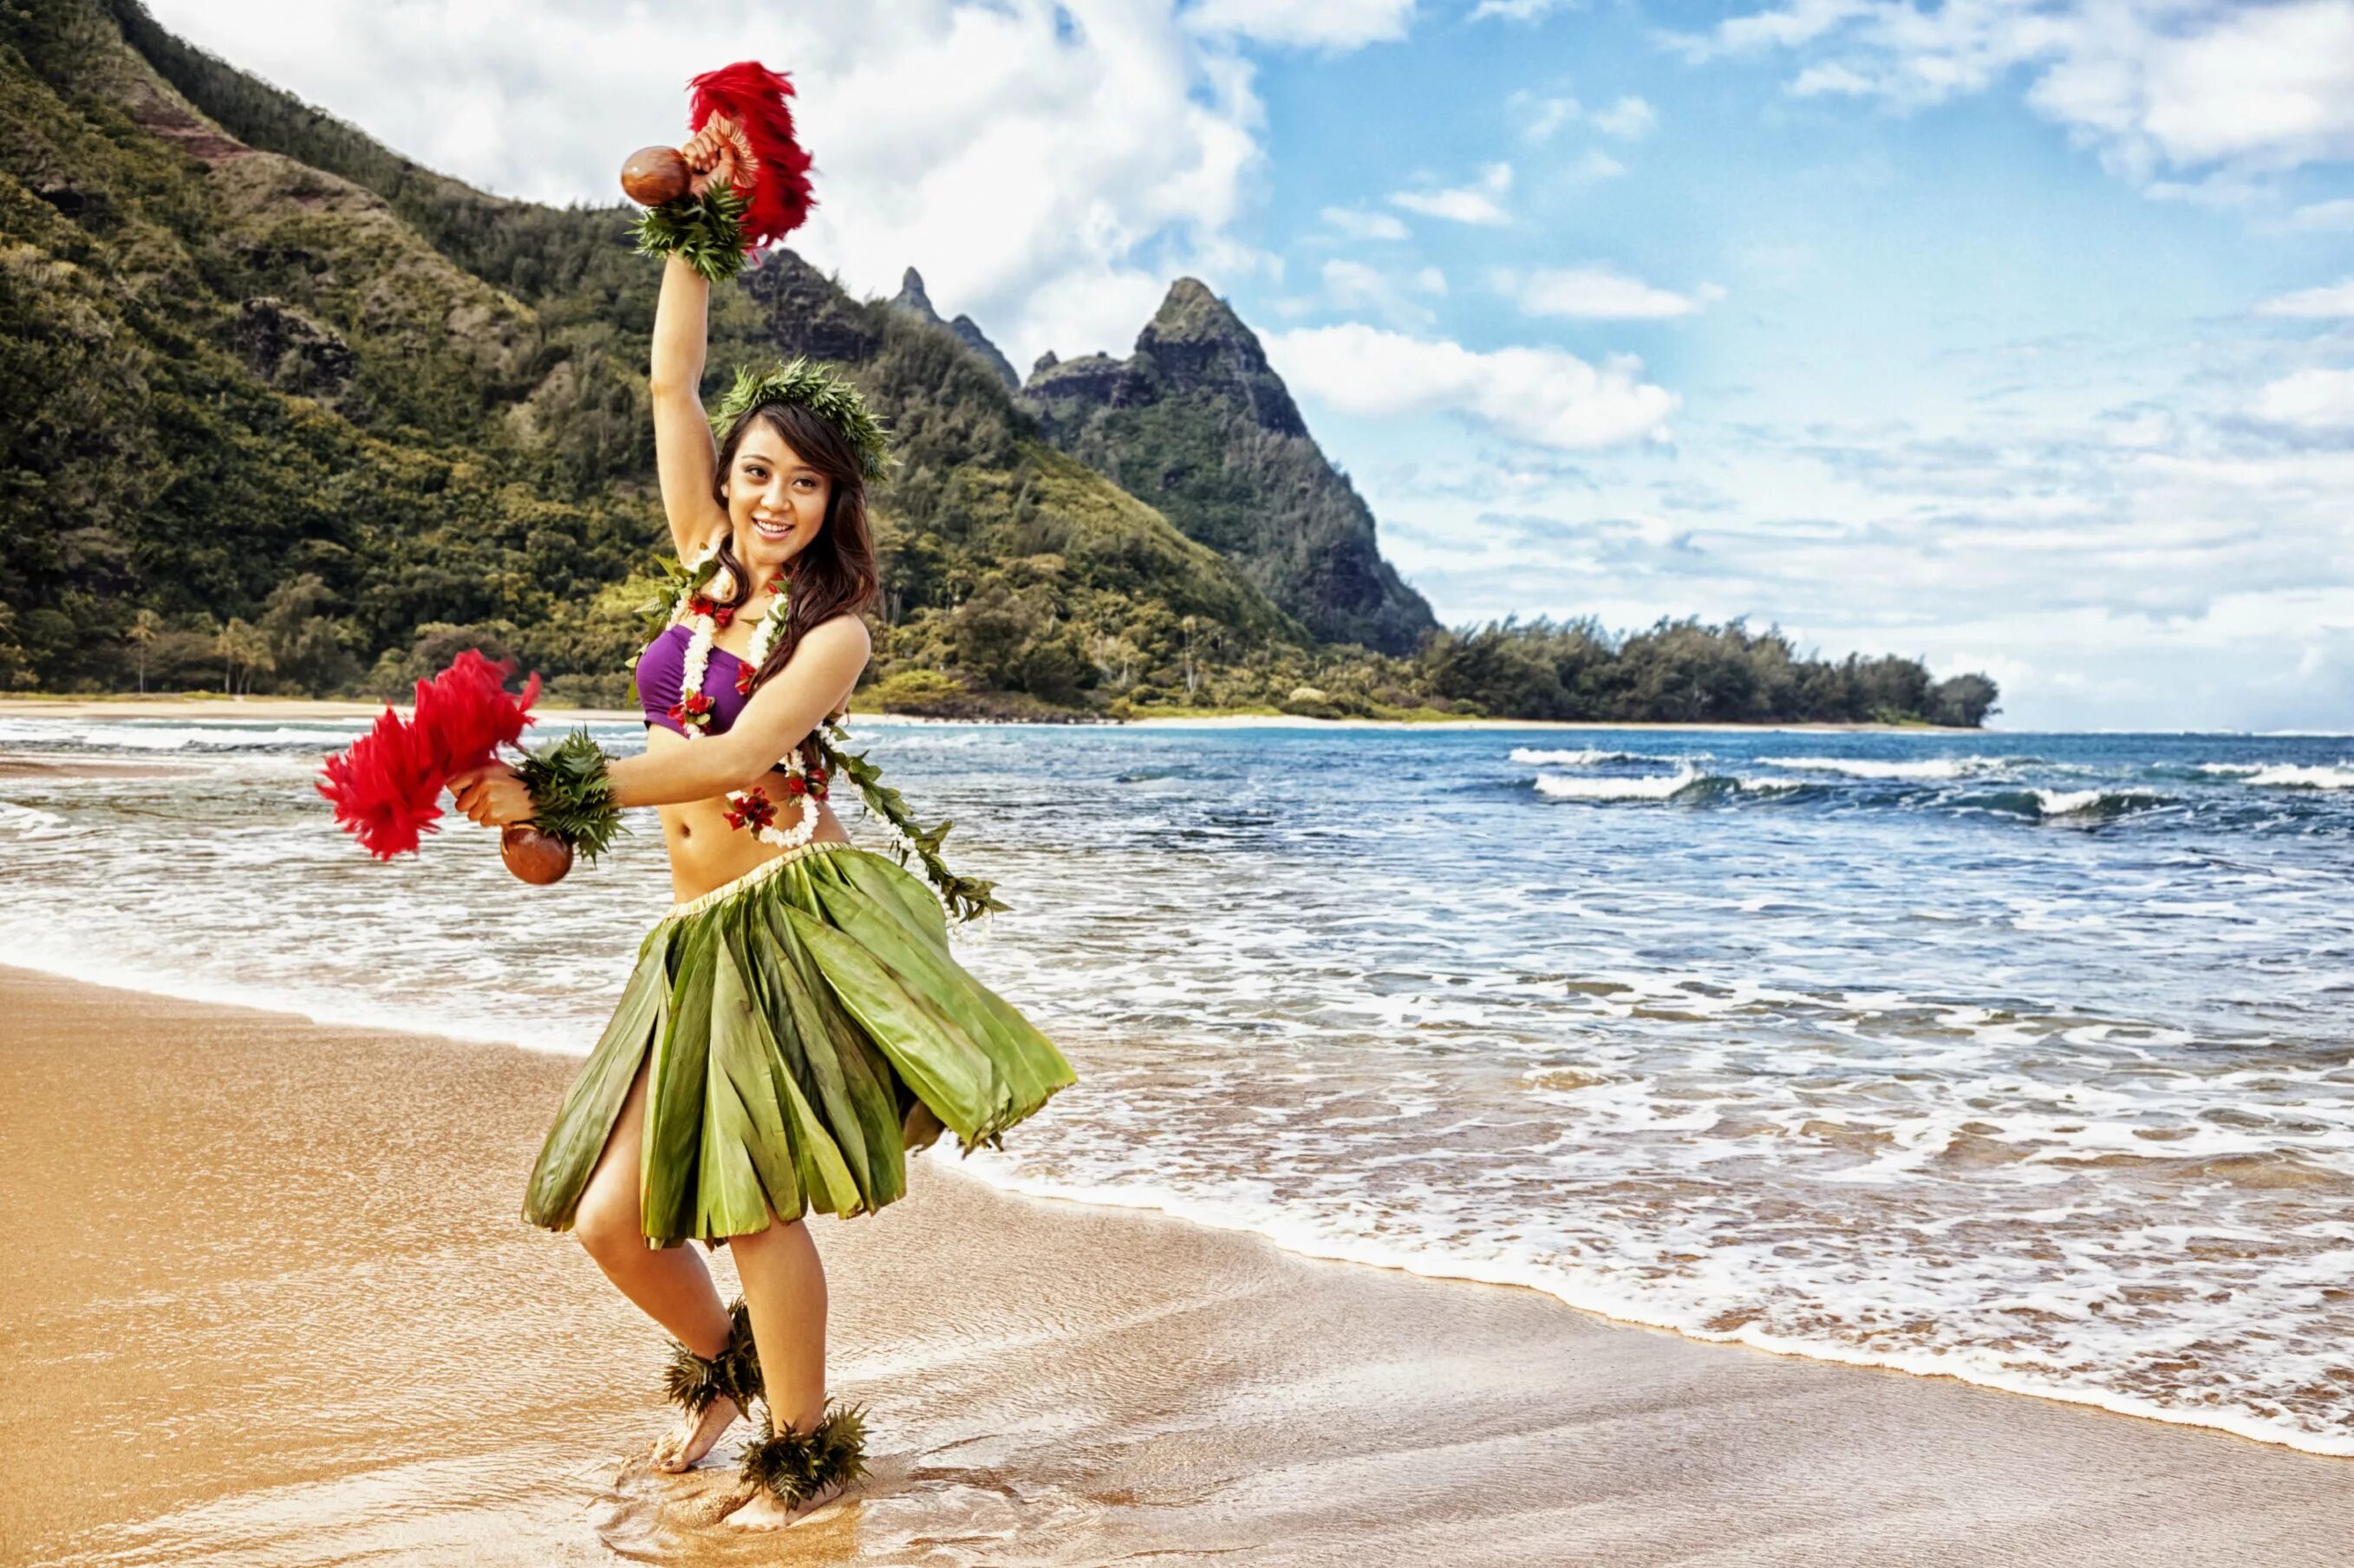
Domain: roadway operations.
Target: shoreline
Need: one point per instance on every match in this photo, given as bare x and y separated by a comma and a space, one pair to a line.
1062, 1380
226, 708
1313, 1249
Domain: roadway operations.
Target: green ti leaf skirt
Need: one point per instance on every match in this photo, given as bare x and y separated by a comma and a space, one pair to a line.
788, 1021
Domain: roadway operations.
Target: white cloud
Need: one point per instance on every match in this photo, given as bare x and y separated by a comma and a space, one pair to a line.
2309, 400
1521, 10
1629, 120
2336, 300
1476, 203
1314, 23
1540, 396
1597, 294
1353, 224
2150, 84
2323, 217
1354, 286
1541, 117
1150, 128
1831, 78
1596, 165
1787, 28
2220, 189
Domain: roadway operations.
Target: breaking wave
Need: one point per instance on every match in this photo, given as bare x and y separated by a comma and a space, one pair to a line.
1925, 769
1659, 787
1587, 758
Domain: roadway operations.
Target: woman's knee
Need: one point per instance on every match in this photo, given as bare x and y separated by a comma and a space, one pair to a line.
608, 1228
782, 1236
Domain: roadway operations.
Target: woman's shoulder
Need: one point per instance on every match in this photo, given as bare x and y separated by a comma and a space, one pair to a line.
844, 628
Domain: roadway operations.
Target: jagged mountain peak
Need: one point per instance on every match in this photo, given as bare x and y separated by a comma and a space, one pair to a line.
1198, 424
1191, 312
911, 296
912, 299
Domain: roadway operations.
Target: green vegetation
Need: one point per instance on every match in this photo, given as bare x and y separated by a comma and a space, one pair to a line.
1683, 671
292, 415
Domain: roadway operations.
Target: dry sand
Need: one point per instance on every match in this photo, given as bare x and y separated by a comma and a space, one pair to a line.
268, 1301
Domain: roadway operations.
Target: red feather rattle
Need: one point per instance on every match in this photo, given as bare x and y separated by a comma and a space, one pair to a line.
758, 189
387, 786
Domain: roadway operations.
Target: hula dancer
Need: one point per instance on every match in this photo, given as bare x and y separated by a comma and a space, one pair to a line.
795, 1025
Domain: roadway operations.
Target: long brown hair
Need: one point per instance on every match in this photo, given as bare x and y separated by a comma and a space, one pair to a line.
835, 572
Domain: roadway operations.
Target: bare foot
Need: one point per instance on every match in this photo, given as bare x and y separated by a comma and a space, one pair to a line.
763, 1512
692, 1438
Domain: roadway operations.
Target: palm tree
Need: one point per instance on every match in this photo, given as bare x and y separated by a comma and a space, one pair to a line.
145, 626
241, 643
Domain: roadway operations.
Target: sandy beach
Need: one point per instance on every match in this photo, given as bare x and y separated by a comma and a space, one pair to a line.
272, 1304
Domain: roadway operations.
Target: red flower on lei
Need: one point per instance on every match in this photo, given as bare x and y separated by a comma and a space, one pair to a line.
693, 708
752, 808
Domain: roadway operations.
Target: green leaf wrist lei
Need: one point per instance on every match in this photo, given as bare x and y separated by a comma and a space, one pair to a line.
571, 796
707, 231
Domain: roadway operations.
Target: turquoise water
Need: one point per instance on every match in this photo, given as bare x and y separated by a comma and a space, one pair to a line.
2018, 1058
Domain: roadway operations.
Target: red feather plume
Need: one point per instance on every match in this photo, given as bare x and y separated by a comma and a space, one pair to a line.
465, 714
753, 96
387, 786
385, 795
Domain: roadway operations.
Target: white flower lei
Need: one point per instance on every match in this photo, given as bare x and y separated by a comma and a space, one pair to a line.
748, 804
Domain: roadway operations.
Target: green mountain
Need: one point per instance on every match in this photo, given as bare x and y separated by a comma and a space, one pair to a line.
307, 417
290, 413
1197, 424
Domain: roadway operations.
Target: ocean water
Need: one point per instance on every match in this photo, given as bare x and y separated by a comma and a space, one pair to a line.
2024, 1059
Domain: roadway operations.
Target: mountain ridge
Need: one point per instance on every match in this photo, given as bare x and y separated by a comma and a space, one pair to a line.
1197, 423
911, 298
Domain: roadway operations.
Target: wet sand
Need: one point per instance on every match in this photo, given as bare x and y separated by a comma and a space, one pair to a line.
41, 769
268, 1302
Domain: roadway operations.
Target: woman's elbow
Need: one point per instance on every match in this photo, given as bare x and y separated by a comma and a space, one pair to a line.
745, 770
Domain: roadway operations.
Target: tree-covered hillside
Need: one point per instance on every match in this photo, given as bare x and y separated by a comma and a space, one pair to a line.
289, 413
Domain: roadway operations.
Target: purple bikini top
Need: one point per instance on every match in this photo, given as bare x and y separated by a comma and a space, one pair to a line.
662, 669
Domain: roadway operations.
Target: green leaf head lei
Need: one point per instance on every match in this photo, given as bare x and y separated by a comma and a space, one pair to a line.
822, 393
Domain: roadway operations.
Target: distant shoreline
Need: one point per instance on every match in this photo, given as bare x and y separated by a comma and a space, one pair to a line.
209, 706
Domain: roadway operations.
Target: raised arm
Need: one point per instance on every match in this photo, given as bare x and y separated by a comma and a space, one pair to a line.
684, 454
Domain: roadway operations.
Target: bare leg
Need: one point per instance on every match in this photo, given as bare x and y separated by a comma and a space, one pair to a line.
670, 1285
784, 1285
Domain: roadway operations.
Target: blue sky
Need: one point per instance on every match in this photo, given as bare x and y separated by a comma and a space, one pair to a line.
2014, 333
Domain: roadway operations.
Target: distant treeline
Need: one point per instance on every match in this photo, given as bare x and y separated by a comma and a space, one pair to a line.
1683, 671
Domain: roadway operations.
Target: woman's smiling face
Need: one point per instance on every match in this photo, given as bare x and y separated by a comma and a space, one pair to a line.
776, 501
